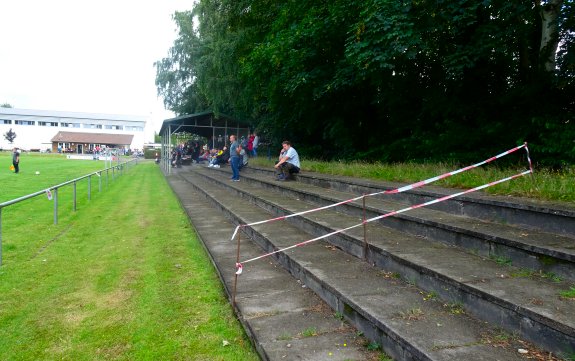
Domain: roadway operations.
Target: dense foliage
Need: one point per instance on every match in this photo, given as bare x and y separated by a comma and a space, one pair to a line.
386, 80
10, 136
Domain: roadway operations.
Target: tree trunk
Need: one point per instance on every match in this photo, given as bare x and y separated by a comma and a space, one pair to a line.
549, 33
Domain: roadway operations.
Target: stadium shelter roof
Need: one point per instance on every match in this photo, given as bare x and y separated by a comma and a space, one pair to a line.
94, 138
205, 124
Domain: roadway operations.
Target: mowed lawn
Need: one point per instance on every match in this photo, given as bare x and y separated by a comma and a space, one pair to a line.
122, 278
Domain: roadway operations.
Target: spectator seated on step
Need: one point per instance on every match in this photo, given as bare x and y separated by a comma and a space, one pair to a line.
221, 158
204, 156
288, 162
214, 153
243, 158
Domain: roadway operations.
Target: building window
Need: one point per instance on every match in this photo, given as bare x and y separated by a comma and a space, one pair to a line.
24, 122
5, 121
48, 124
65, 147
70, 125
135, 129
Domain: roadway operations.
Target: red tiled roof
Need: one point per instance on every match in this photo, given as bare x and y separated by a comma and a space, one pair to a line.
96, 138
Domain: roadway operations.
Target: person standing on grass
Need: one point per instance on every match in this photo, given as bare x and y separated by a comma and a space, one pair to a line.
288, 163
235, 150
16, 160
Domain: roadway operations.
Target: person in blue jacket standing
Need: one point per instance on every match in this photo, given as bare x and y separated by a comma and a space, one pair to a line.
235, 150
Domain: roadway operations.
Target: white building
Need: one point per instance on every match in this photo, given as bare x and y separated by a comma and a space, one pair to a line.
37, 130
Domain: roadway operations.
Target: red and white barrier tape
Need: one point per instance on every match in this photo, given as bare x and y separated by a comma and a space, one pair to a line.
449, 174
239, 265
393, 191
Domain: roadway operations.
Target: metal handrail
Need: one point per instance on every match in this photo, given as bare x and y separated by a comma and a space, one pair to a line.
119, 167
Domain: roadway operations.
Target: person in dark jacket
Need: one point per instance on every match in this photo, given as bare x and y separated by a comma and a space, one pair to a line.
16, 160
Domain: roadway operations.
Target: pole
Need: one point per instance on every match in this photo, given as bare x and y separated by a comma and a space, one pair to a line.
0, 236
364, 232
235, 273
74, 195
55, 205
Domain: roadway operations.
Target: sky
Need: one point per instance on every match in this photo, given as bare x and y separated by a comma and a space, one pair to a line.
86, 56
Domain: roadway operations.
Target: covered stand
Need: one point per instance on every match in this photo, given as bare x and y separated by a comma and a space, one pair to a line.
216, 129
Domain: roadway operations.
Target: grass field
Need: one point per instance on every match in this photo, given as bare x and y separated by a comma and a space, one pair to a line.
54, 169
122, 278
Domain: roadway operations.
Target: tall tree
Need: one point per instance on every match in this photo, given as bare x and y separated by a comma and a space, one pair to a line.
550, 12
382, 79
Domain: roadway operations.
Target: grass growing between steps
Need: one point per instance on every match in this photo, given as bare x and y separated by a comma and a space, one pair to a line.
545, 184
122, 278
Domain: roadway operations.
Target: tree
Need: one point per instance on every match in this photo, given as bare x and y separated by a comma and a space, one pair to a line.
381, 79
10, 136
550, 12
157, 138
5, 105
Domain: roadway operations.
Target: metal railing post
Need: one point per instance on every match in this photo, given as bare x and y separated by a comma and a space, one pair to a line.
1, 236
74, 195
55, 195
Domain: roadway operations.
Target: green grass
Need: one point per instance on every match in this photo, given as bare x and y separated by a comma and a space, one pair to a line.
338, 316
545, 184
309, 332
373, 346
501, 260
54, 169
123, 278
569, 293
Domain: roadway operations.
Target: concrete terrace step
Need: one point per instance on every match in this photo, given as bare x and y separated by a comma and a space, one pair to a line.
553, 254
274, 308
494, 292
461, 335
555, 217
395, 314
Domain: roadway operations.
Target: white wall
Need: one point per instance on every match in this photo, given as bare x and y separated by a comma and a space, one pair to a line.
39, 137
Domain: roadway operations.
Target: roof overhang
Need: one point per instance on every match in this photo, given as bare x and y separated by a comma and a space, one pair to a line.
202, 124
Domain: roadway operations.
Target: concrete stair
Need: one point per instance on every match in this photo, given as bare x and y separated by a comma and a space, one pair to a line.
446, 283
